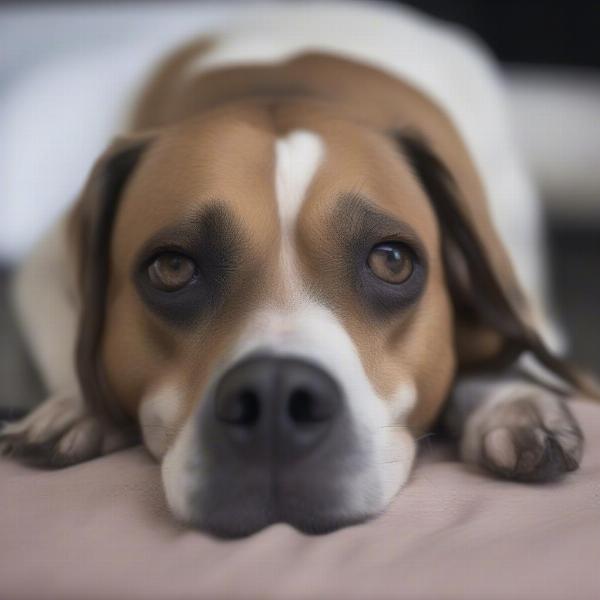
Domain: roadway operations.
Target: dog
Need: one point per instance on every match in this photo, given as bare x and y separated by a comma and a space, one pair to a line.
296, 262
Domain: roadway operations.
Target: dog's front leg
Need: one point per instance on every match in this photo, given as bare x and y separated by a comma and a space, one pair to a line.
513, 427
62, 430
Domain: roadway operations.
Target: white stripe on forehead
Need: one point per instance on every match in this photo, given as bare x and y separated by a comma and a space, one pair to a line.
298, 157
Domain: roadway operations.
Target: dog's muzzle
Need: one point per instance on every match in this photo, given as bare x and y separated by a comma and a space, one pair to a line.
278, 444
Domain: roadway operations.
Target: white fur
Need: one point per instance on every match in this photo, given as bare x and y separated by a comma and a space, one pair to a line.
179, 479
47, 306
298, 157
159, 414
403, 400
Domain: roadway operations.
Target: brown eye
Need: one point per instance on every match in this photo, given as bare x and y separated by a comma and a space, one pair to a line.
391, 262
171, 271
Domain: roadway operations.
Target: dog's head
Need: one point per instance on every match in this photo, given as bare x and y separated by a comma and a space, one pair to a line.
282, 295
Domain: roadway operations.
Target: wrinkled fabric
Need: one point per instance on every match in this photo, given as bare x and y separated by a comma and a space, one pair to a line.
102, 530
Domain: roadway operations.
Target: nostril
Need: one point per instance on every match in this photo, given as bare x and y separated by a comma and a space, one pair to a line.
301, 406
249, 408
242, 408
306, 407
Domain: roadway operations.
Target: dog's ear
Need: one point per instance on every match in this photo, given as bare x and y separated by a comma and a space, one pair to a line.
494, 321
91, 227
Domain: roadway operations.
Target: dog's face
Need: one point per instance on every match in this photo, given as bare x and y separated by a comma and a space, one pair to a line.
277, 315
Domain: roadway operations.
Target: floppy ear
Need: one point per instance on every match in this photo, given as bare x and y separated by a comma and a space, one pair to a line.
494, 321
92, 224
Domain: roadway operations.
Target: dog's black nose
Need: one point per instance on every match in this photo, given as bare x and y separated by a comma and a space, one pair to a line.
277, 405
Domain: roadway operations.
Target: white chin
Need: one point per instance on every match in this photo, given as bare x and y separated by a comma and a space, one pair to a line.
177, 476
398, 455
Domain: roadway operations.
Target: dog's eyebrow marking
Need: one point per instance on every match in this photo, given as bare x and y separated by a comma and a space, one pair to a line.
212, 223
356, 217
215, 241
357, 226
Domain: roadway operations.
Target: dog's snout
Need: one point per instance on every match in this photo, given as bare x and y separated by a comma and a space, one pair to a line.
285, 404
277, 442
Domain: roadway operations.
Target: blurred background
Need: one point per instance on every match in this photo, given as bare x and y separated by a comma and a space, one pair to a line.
59, 59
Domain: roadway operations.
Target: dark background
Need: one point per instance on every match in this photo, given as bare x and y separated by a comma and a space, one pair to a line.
543, 31
558, 32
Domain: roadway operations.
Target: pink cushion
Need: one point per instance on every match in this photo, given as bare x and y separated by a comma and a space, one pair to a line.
101, 530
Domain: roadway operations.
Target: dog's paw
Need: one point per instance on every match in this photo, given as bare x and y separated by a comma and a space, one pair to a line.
528, 436
60, 432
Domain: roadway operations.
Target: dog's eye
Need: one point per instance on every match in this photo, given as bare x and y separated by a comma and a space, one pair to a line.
392, 262
171, 271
